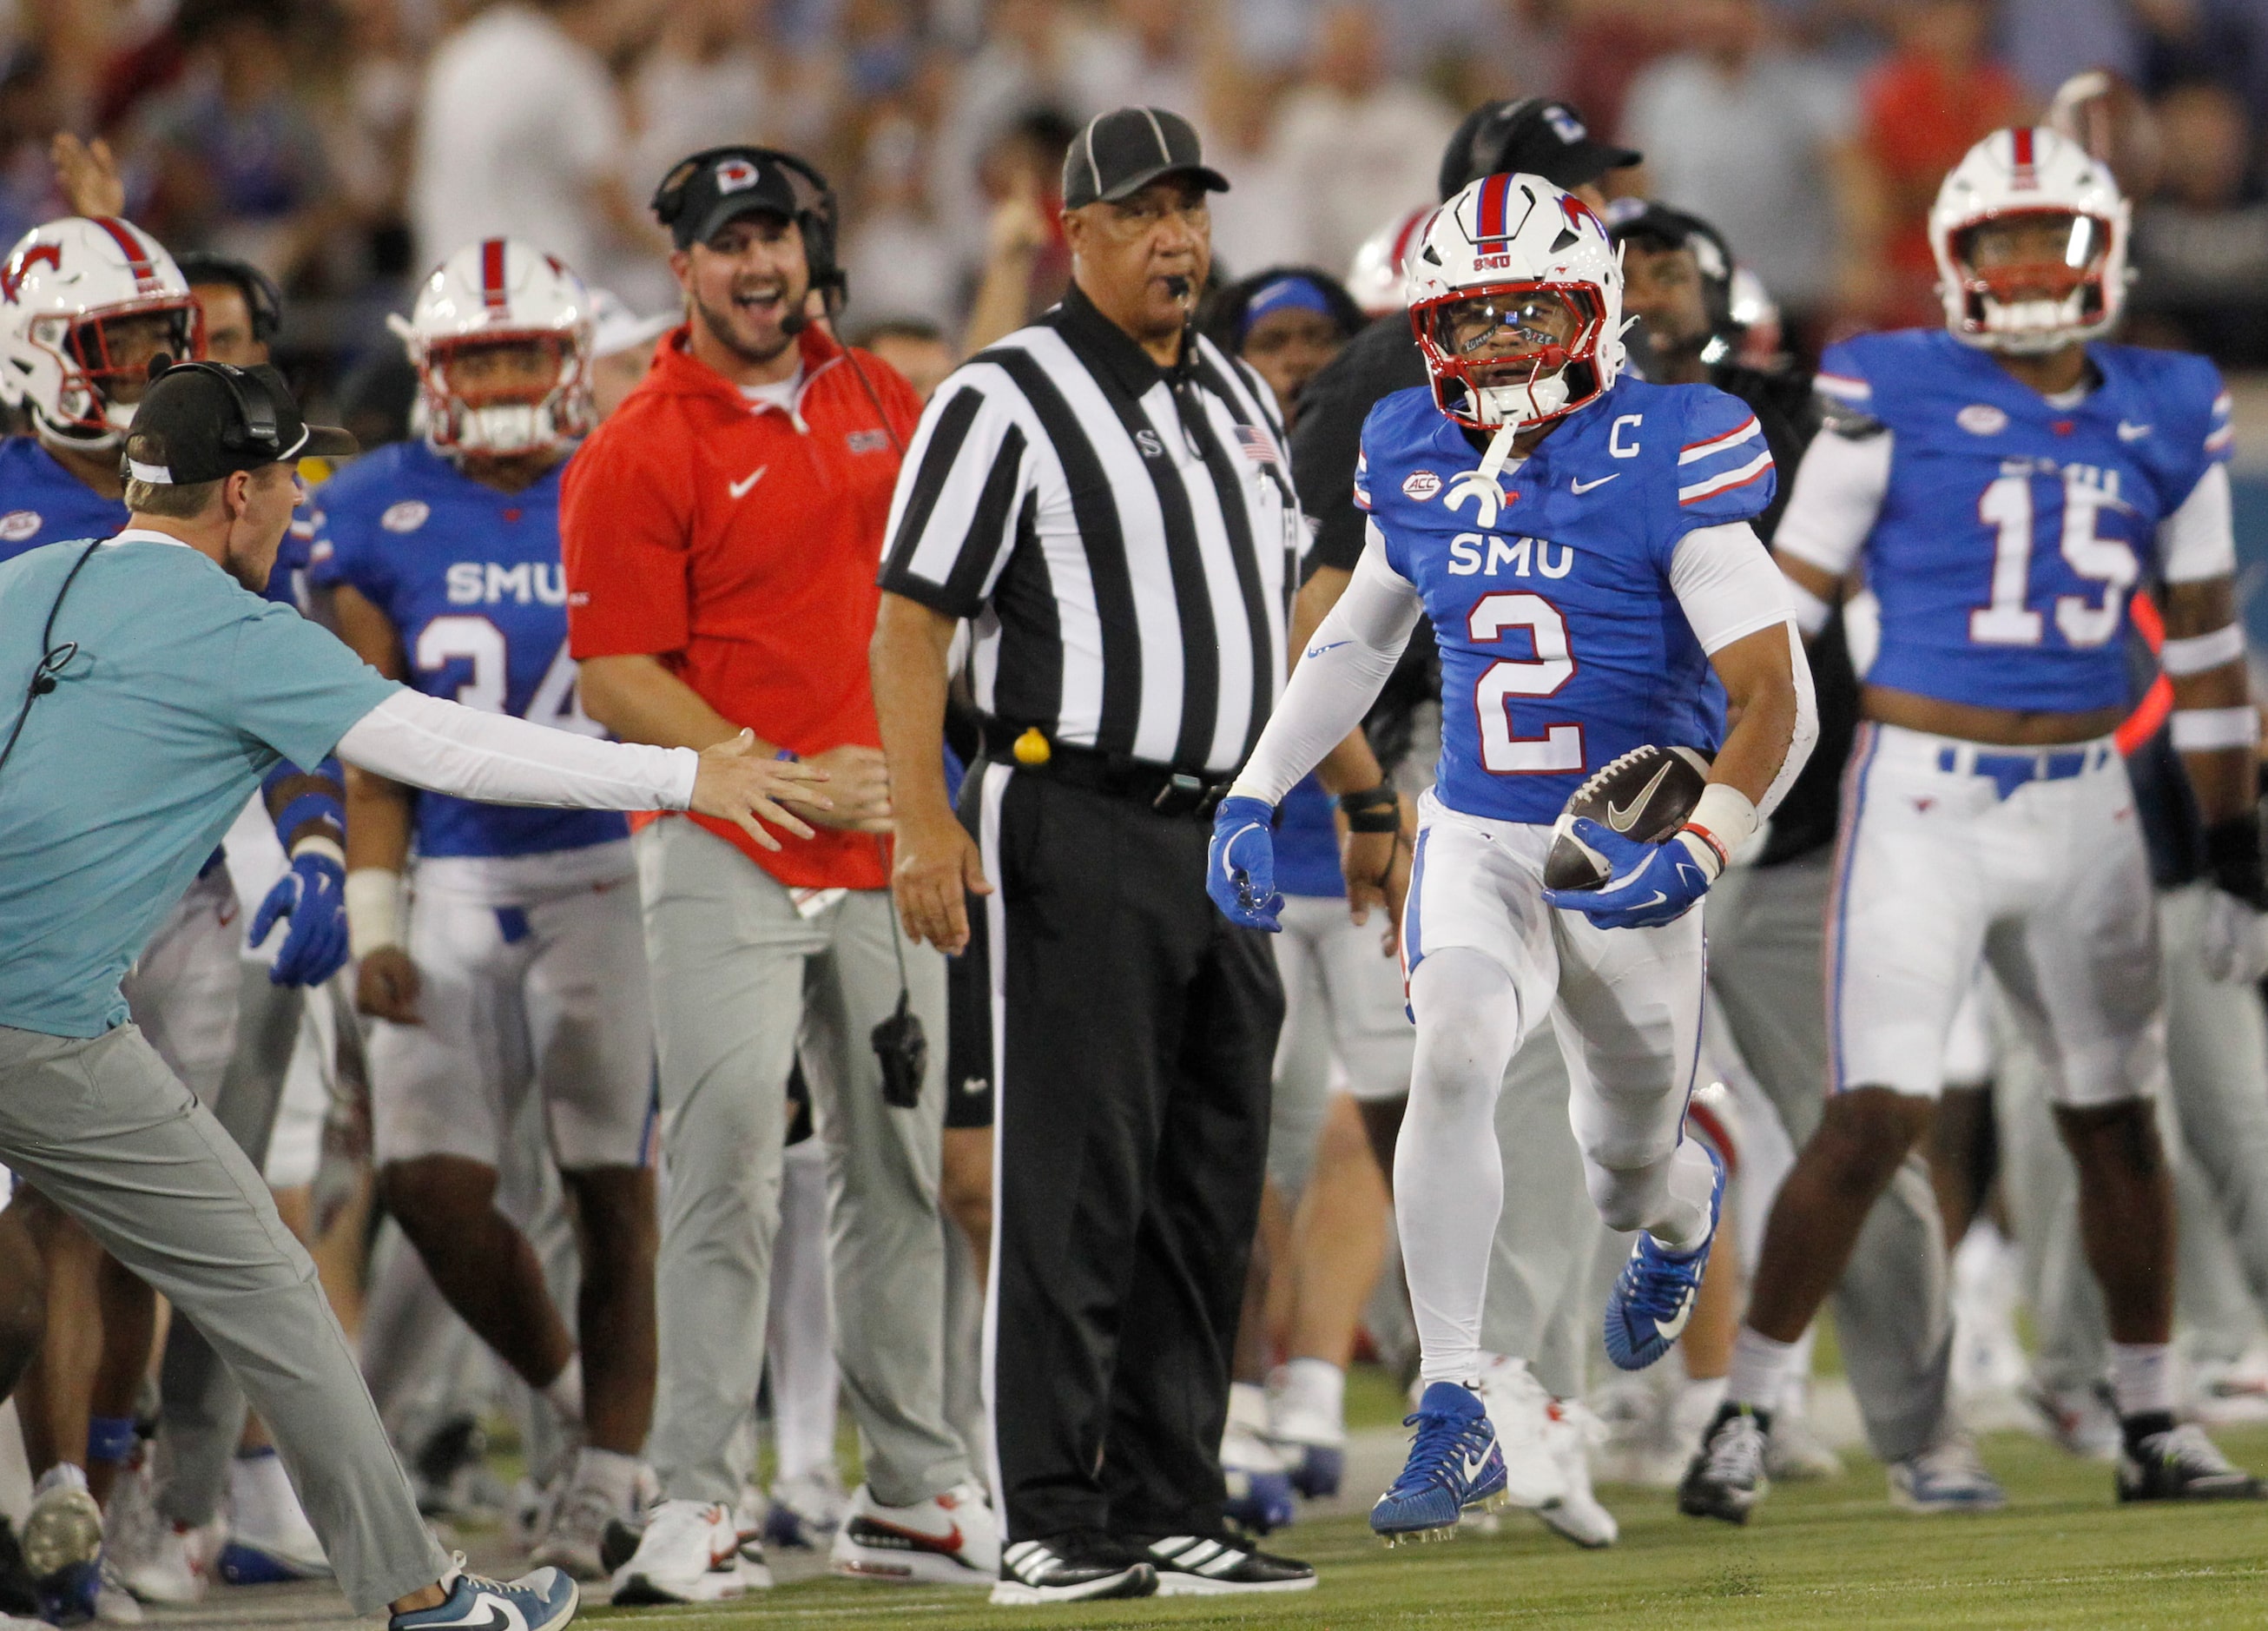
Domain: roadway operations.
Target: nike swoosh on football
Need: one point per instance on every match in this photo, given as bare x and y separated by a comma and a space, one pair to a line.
741, 486
2133, 432
1583, 487
1619, 817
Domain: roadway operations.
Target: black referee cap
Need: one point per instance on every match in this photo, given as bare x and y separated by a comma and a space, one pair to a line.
202, 421
1120, 153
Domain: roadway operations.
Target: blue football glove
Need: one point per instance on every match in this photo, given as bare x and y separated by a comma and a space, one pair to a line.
313, 895
1240, 869
1649, 884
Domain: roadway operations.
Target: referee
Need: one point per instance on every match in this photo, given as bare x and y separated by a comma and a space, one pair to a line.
1104, 495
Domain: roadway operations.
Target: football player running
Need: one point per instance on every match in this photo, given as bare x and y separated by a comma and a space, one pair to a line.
521, 965
2003, 483
1581, 544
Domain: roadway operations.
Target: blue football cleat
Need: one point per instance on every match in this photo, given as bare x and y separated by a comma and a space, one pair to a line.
1454, 1464
1654, 1293
1319, 1471
541, 1601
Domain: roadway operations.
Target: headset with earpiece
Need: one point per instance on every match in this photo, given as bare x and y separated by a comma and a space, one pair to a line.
816, 213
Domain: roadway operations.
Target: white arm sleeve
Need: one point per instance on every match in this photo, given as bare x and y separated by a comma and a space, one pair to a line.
1339, 676
444, 748
1728, 589
2198, 541
1838, 491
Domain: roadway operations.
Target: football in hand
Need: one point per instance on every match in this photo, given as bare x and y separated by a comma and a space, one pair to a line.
1645, 796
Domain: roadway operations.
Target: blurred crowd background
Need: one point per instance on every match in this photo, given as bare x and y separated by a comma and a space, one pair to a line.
346, 145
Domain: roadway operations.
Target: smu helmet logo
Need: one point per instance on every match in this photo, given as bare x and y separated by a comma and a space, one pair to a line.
11, 278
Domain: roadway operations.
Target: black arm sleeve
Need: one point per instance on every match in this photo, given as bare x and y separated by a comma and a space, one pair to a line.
1381, 359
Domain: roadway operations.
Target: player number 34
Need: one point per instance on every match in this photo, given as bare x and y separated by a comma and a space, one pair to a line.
2007, 620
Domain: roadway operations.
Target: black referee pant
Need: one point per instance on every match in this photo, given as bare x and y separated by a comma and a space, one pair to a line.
1135, 1032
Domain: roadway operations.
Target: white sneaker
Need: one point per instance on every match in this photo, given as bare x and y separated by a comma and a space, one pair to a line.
113, 1604
2083, 1420
805, 1511
950, 1539
270, 1539
1793, 1452
64, 1526
690, 1553
1577, 1515
1308, 1434
1947, 1477
571, 1539
1258, 1483
1520, 1409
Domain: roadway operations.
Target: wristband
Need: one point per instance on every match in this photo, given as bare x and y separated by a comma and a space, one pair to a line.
1373, 809
1722, 822
319, 844
373, 910
306, 808
2196, 653
2234, 860
2214, 730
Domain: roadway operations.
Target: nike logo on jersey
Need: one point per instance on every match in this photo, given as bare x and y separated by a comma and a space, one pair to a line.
1620, 816
2133, 432
1579, 488
1317, 651
739, 487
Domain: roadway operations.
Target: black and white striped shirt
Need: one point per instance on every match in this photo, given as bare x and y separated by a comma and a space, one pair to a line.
1122, 538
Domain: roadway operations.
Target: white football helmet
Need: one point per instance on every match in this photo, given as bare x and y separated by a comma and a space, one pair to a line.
1376, 279
1502, 240
63, 290
2012, 176
501, 292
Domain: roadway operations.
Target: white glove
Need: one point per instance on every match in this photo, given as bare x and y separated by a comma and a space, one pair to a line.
2233, 941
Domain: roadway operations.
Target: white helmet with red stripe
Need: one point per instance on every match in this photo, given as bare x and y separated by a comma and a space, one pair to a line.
489, 296
1377, 279
1515, 258
85, 303
2029, 302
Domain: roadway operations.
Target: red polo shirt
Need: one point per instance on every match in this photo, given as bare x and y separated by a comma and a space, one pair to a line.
740, 545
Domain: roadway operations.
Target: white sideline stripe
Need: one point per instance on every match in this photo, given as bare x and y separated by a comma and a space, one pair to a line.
1729, 478
1730, 439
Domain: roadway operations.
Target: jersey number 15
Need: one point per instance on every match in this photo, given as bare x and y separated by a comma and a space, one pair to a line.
2008, 619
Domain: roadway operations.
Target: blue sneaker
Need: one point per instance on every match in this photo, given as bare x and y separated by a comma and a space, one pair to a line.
1454, 1464
1654, 1293
541, 1601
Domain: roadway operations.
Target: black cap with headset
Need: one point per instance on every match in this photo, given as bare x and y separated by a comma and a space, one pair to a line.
202, 421
706, 191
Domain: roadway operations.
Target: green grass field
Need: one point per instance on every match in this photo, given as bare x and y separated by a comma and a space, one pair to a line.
1815, 1555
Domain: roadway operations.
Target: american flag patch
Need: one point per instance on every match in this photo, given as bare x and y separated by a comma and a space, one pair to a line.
1258, 445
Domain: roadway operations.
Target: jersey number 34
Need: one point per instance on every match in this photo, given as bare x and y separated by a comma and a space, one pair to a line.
470, 638
2008, 618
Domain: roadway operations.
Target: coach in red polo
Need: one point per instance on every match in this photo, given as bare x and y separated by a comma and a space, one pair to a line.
722, 532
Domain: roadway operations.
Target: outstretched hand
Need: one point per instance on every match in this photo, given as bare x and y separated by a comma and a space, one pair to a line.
738, 784
87, 175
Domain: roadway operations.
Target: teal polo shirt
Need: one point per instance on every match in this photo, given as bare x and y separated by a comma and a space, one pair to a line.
185, 690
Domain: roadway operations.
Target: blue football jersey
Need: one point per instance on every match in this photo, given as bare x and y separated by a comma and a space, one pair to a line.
471, 579
1562, 644
2013, 531
1307, 841
42, 503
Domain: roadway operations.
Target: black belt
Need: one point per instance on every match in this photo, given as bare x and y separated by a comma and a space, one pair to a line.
1165, 790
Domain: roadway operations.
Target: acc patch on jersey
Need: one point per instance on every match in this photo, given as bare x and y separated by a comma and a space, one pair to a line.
407, 516
1421, 485
18, 524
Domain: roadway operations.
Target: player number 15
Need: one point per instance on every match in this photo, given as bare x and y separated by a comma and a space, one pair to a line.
2007, 620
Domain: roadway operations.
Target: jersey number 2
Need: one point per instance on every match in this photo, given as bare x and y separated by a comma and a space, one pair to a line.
2007, 506
474, 640
1560, 747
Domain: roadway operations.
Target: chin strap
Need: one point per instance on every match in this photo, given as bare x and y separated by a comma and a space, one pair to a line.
1499, 450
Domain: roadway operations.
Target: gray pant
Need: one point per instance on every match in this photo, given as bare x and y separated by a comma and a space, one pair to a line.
91, 1123
2214, 1121
739, 976
200, 1417
1893, 1315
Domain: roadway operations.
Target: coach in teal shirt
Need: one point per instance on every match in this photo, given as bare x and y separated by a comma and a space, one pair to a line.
145, 688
